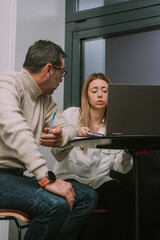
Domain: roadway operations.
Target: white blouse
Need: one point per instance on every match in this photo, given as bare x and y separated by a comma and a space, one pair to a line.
91, 167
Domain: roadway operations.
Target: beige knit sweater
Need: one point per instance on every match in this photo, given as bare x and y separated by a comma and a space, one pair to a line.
24, 112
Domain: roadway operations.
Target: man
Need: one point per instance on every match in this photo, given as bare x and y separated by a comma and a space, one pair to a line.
58, 208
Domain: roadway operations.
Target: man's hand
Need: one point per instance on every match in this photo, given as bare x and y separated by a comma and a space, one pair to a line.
63, 189
53, 139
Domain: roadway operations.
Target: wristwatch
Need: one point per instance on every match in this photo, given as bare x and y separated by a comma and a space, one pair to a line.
49, 178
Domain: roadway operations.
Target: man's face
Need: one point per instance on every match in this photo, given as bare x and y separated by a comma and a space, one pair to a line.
53, 80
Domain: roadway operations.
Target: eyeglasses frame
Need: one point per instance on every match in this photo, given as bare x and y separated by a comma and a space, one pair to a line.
62, 70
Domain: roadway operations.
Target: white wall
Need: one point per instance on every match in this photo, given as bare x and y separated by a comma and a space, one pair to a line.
7, 33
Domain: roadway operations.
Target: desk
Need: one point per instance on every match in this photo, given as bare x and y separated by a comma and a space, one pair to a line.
135, 145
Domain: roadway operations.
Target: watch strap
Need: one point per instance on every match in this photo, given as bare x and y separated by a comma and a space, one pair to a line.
44, 181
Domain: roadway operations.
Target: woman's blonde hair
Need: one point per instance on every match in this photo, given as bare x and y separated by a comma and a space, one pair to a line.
84, 117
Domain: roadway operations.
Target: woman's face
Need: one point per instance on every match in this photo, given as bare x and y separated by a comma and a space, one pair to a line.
98, 94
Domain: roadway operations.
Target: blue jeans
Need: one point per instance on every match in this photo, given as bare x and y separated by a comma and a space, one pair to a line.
52, 218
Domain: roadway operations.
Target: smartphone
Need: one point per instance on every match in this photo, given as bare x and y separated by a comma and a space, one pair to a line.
94, 134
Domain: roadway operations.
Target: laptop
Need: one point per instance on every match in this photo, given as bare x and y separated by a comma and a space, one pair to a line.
133, 119
133, 110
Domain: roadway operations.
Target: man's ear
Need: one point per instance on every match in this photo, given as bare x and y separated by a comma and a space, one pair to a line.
47, 69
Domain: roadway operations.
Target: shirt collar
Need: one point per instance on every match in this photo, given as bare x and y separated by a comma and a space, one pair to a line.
31, 85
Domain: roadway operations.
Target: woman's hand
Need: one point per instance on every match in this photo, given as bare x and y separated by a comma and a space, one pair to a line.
82, 132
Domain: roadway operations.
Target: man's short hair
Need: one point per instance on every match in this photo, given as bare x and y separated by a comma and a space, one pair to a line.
41, 53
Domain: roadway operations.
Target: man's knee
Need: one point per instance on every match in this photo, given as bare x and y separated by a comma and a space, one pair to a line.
58, 205
51, 205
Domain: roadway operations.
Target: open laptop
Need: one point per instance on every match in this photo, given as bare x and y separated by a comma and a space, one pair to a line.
133, 119
133, 110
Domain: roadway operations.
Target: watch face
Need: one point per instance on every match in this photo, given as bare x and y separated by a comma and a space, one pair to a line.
51, 176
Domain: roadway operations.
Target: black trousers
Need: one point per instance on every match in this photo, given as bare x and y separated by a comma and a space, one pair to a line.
117, 197
118, 223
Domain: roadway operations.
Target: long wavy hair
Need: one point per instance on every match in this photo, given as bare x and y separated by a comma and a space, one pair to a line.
84, 116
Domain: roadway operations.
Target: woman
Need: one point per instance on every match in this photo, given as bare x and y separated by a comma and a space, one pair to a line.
92, 166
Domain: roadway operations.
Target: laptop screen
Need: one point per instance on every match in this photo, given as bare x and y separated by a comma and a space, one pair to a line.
133, 110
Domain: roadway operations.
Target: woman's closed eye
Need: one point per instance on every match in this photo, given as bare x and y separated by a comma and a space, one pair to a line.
94, 91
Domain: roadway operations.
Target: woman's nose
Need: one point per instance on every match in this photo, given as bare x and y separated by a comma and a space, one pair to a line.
99, 93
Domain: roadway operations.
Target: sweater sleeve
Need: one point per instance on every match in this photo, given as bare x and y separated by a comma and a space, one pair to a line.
122, 162
15, 134
69, 131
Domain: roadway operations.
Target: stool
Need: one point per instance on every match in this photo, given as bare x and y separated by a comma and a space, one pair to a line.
101, 210
12, 214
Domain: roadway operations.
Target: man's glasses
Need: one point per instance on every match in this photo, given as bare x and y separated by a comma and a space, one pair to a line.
62, 70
